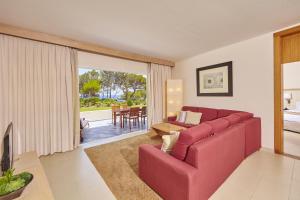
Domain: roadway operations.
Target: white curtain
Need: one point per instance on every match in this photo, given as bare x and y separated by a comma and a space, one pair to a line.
157, 77
39, 94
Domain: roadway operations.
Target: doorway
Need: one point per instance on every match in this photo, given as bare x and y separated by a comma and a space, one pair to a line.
286, 111
104, 96
291, 108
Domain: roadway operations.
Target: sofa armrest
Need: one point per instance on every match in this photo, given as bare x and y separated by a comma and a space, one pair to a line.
172, 118
166, 174
253, 135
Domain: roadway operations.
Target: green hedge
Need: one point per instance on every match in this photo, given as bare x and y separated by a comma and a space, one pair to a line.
97, 102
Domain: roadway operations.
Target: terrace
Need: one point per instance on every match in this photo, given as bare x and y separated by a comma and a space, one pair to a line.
100, 126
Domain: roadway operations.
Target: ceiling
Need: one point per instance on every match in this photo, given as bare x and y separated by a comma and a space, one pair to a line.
170, 29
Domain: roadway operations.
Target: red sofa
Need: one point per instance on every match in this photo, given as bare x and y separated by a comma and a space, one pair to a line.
203, 157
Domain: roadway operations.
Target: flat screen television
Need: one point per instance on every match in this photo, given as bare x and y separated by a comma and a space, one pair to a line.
7, 156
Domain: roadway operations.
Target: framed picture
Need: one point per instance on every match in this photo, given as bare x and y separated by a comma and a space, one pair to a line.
215, 80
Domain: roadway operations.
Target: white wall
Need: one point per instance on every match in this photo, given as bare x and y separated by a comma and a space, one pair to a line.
252, 80
291, 75
87, 60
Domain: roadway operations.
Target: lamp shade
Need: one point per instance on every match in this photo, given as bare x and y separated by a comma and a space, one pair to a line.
174, 96
287, 96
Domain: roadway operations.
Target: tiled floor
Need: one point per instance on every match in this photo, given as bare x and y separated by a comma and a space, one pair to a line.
263, 176
292, 143
72, 176
99, 130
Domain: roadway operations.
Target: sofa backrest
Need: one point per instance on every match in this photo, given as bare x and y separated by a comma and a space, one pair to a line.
224, 112
218, 125
221, 143
233, 119
208, 114
193, 135
189, 137
244, 115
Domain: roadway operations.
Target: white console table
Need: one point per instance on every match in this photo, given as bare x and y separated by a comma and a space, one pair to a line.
39, 188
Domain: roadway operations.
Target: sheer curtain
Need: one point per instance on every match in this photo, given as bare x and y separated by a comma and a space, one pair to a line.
39, 94
157, 77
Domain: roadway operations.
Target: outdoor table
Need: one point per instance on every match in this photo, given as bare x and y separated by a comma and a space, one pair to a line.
122, 112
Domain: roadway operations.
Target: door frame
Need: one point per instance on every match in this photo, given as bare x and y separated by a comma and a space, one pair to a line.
278, 86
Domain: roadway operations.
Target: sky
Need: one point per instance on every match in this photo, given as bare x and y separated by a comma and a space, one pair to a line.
83, 70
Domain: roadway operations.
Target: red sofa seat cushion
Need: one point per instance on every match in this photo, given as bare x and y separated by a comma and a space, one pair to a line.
208, 114
218, 125
181, 124
189, 137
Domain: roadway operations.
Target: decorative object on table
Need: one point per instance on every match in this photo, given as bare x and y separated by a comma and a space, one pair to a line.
288, 97
215, 80
174, 95
12, 186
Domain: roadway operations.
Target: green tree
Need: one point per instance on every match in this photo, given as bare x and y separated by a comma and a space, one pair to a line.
86, 77
108, 82
136, 83
130, 84
91, 88
121, 81
138, 98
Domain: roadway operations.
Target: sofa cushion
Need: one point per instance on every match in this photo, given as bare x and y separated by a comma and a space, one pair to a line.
233, 119
208, 114
224, 112
218, 125
189, 137
193, 118
181, 116
244, 115
181, 124
169, 141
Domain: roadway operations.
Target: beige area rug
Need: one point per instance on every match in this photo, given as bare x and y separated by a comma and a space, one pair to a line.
117, 163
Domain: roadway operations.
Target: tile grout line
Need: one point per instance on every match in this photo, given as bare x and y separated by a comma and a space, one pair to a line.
291, 181
255, 189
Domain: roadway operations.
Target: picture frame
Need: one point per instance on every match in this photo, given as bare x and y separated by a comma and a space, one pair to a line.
215, 80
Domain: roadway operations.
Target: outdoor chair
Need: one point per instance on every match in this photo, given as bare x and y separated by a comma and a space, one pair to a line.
133, 115
124, 106
114, 113
143, 114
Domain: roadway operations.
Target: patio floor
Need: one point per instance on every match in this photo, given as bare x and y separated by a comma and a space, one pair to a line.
103, 129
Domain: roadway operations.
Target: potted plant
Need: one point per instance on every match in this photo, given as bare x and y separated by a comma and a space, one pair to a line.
12, 186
